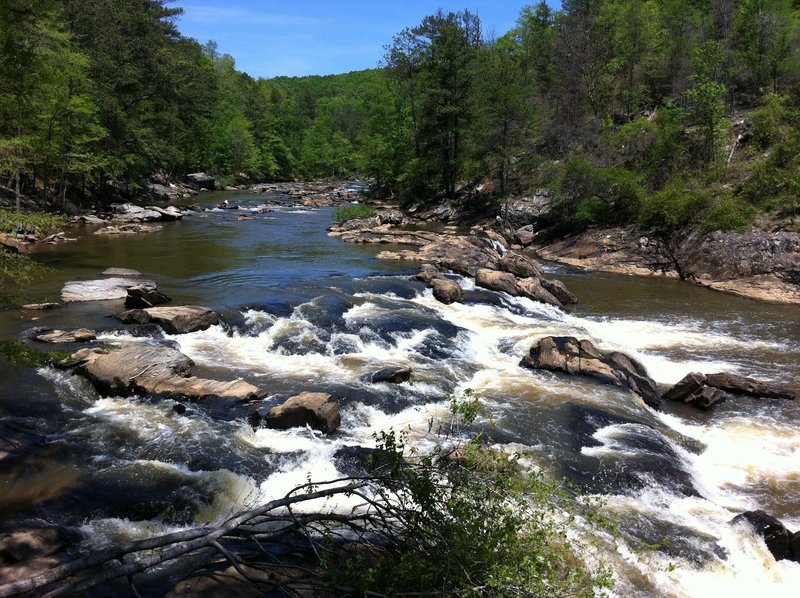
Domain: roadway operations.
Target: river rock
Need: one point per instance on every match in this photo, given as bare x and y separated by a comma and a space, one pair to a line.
559, 290
427, 273
144, 369
131, 213
201, 180
40, 306
178, 319
774, 533
794, 544
569, 355
446, 290
90, 219
315, 409
392, 217
170, 213
395, 375
497, 281
520, 266
506, 282
736, 384
103, 289
25, 544
143, 296
60, 337
121, 272
128, 229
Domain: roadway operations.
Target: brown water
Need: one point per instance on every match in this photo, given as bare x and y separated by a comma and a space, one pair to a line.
307, 312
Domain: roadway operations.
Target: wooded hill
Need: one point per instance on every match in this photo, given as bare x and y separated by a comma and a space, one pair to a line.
668, 112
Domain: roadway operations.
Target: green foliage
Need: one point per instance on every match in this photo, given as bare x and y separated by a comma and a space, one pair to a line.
12, 221
775, 120
589, 195
476, 525
729, 213
344, 213
676, 206
15, 272
18, 353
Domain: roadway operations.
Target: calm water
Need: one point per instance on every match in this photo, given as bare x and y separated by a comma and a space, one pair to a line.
308, 312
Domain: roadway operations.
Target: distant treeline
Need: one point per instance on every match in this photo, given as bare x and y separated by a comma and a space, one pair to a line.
610, 103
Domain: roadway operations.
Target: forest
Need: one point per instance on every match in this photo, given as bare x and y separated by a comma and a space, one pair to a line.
663, 112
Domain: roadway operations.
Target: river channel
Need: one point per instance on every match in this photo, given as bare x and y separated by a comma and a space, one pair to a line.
305, 311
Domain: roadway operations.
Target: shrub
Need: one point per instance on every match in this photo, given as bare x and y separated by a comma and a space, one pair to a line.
42, 224
678, 205
344, 213
729, 213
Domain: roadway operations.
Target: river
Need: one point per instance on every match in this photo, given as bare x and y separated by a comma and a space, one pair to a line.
308, 312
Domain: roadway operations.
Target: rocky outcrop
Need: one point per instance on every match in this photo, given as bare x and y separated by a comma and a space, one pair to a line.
315, 409
178, 319
777, 538
62, 337
103, 289
517, 287
580, 357
151, 369
143, 296
756, 264
446, 290
705, 391
394, 375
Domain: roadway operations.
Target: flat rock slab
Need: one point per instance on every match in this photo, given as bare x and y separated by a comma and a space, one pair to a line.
152, 369
121, 272
103, 289
176, 319
60, 337
315, 409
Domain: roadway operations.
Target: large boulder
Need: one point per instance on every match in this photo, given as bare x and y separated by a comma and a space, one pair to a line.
392, 217
774, 533
569, 355
559, 290
520, 266
315, 409
131, 213
506, 282
178, 319
201, 180
146, 369
446, 290
104, 289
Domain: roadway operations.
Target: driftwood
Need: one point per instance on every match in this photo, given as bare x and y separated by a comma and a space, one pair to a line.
124, 561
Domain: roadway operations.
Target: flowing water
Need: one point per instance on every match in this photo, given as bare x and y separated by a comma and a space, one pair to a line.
307, 312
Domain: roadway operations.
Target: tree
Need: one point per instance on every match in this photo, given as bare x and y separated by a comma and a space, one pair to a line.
433, 65
707, 95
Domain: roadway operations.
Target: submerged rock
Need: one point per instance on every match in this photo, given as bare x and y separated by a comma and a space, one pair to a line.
315, 409
774, 533
178, 319
40, 306
151, 369
395, 375
569, 355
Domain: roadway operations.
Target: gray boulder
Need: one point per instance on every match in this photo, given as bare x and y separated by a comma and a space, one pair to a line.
571, 356
315, 409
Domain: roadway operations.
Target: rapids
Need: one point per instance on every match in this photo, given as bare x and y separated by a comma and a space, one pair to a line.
308, 312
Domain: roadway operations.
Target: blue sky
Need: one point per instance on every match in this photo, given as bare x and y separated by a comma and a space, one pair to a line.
317, 37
